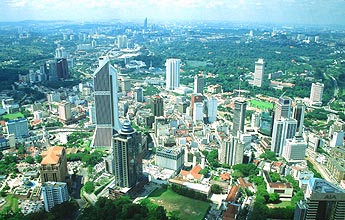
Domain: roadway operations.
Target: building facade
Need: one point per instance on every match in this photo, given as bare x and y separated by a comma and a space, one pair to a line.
54, 165
283, 108
170, 158
18, 127
259, 72
54, 193
282, 129
64, 110
294, 150
298, 114
172, 73
199, 83
157, 106
316, 93
212, 109
239, 116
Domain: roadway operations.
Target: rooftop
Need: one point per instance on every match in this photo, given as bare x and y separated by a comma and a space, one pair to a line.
52, 155
323, 186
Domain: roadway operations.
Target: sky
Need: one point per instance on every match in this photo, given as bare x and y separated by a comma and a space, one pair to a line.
313, 12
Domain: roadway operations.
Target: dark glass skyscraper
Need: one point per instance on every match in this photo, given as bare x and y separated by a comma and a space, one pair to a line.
239, 116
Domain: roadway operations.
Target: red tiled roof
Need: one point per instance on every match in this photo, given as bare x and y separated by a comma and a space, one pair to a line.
52, 155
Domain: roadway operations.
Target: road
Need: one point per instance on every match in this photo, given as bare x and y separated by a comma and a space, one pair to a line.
336, 88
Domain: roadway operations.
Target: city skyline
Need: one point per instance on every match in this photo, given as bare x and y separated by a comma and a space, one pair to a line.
314, 12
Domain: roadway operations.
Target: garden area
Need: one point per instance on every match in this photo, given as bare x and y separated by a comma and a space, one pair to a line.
260, 104
182, 207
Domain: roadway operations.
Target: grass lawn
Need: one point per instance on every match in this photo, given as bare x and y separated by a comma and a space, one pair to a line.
13, 116
184, 207
11, 203
280, 205
260, 104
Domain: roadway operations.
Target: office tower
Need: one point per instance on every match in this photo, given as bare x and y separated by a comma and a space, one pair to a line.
157, 106
282, 129
283, 108
127, 155
231, 151
172, 73
259, 72
170, 158
18, 127
122, 41
60, 53
199, 83
92, 113
337, 139
64, 110
196, 98
323, 201
198, 112
106, 103
54, 193
125, 85
54, 165
239, 116
145, 25
316, 93
54, 97
93, 43
211, 109
255, 120
138, 94
294, 150
298, 114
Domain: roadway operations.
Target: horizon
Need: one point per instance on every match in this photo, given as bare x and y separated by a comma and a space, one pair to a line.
288, 12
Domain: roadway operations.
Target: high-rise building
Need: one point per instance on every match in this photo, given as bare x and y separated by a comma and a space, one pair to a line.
64, 110
60, 53
127, 155
172, 73
294, 150
170, 158
283, 108
266, 123
54, 193
106, 103
316, 93
145, 25
125, 85
323, 201
199, 83
138, 94
211, 109
18, 127
282, 129
198, 112
54, 165
337, 139
92, 113
157, 106
239, 116
231, 151
259, 72
122, 41
298, 114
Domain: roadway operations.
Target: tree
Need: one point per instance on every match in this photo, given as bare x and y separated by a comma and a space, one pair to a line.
274, 176
269, 155
29, 159
89, 187
273, 197
38, 158
216, 189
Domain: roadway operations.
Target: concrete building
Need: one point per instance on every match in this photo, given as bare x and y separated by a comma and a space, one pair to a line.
157, 106
122, 41
53, 97
64, 110
106, 103
239, 116
282, 129
54, 193
198, 112
298, 114
18, 127
138, 94
283, 108
323, 200
211, 109
199, 83
92, 114
336, 163
172, 73
337, 139
266, 123
125, 85
316, 93
294, 150
170, 158
231, 151
54, 165
127, 154
259, 72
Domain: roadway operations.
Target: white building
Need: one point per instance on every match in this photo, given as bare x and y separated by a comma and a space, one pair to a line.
231, 151
282, 129
337, 139
122, 41
64, 110
170, 158
18, 127
54, 193
198, 112
92, 114
294, 150
259, 72
172, 73
212, 109
316, 93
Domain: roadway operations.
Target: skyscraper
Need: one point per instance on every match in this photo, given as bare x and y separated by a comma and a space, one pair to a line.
54, 193
323, 201
198, 112
316, 93
282, 129
259, 72
172, 73
283, 108
231, 151
145, 25
127, 155
211, 109
199, 83
18, 127
157, 106
106, 103
294, 150
64, 110
298, 114
239, 116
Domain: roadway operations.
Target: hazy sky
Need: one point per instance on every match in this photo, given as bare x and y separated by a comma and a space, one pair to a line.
281, 11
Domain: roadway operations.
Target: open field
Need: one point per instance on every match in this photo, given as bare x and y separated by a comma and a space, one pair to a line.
282, 204
184, 207
13, 116
260, 104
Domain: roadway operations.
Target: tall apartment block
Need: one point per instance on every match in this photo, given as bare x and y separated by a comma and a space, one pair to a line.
259, 72
316, 93
54, 193
106, 103
172, 73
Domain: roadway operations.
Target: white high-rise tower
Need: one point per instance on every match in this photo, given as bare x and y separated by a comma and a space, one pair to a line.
172, 73
316, 93
259, 72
